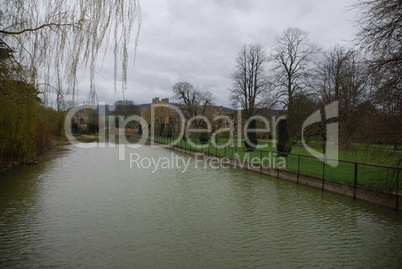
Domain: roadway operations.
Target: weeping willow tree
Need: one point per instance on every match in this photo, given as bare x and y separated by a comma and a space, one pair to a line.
56, 39
26, 126
43, 46
18, 125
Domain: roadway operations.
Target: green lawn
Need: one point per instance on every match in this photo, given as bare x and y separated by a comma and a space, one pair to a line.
367, 175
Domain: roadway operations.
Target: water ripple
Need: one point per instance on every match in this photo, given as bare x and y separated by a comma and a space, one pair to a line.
89, 210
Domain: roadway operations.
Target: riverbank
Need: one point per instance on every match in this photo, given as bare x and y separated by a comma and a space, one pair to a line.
391, 198
56, 150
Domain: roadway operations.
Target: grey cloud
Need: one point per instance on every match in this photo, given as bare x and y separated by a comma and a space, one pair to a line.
198, 41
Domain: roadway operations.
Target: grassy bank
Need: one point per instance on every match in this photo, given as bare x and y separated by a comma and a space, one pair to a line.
371, 168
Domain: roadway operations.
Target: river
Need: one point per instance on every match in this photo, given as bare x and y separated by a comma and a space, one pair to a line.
88, 209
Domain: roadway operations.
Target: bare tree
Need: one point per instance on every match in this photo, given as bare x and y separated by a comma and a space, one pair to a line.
381, 33
250, 83
194, 102
250, 86
125, 108
53, 40
381, 37
292, 70
342, 77
206, 99
188, 95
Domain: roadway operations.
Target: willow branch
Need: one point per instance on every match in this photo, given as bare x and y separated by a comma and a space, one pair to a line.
50, 25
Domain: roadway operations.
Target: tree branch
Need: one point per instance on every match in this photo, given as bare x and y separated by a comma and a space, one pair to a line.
50, 25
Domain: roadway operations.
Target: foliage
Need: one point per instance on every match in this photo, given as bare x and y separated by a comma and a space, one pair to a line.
168, 132
92, 128
162, 129
125, 108
203, 137
18, 123
27, 129
74, 127
165, 130
26, 126
284, 145
140, 129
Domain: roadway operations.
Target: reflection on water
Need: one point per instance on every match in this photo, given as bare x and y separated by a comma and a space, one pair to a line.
87, 209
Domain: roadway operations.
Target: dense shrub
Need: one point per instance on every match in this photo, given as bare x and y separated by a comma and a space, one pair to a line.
284, 145
26, 126
203, 137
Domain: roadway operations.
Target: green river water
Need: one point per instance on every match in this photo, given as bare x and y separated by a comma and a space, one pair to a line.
88, 209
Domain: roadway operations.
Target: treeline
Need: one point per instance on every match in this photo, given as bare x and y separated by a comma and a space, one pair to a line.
298, 77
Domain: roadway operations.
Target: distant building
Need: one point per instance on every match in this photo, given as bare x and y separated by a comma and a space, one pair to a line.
169, 117
229, 118
80, 119
161, 114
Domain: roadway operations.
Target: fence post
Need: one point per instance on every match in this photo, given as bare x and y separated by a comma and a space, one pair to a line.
323, 175
397, 193
234, 149
355, 182
298, 169
277, 167
261, 162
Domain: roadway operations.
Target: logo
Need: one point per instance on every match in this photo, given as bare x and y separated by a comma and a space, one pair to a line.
331, 133
324, 118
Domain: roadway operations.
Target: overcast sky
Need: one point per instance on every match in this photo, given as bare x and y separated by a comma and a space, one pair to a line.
197, 41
